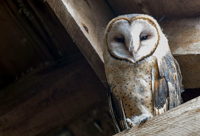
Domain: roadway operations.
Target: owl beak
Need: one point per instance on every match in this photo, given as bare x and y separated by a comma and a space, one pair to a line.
134, 48
133, 54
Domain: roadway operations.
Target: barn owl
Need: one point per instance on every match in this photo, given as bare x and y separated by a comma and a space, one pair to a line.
143, 77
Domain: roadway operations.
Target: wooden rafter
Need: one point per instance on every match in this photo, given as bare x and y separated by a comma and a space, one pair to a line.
85, 21
48, 98
183, 120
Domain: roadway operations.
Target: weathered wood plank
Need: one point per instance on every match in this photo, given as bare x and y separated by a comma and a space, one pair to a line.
183, 120
85, 21
30, 35
157, 8
49, 98
184, 41
82, 20
95, 123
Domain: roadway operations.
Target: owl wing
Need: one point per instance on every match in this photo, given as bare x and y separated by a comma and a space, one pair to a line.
117, 112
168, 87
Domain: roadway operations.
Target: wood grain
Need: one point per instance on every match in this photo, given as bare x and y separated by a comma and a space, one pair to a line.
184, 41
81, 20
48, 98
85, 21
183, 120
157, 8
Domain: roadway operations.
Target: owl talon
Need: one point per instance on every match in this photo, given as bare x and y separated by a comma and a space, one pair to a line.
137, 120
130, 122
142, 121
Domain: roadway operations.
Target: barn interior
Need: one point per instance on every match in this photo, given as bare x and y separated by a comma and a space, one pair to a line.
52, 79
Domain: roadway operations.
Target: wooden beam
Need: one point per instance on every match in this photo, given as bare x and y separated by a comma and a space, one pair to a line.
157, 8
98, 122
85, 22
50, 97
31, 35
183, 36
182, 120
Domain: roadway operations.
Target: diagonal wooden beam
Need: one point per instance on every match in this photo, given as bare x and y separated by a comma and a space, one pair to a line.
49, 97
183, 36
183, 120
85, 22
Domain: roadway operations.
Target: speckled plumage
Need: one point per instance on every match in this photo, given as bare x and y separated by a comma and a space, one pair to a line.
144, 88
132, 83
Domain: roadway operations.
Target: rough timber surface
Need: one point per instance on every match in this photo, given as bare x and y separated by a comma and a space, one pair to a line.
184, 42
85, 22
48, 98
183, 120
157, 8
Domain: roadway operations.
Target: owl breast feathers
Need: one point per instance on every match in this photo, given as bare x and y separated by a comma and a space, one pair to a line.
144, 78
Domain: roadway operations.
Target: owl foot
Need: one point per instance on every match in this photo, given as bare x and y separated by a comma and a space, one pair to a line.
130, 122
142, 121
138, 120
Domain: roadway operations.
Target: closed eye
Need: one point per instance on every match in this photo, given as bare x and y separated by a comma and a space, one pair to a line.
142, 38
120, 40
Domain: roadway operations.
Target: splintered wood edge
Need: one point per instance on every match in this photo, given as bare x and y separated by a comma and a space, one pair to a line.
182, 120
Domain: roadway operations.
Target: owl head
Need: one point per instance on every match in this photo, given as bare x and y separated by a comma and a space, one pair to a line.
132, 37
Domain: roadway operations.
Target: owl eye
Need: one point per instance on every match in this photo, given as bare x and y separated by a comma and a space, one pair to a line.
143, 38
120, 39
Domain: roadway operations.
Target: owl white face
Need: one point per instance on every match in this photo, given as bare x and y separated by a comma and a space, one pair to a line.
132, 40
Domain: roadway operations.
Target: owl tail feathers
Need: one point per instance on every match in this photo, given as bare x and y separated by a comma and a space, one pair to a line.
160, 96
116, 127
158, 111
117, 112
